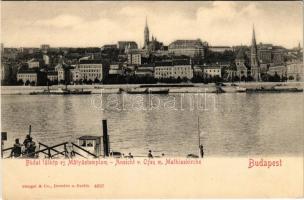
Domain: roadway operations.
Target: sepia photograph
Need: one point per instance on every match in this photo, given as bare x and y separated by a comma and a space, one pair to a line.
201, 91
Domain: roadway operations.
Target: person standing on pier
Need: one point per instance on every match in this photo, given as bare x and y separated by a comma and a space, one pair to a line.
16, 151
27, 140
150, 154
30, 146
130, 155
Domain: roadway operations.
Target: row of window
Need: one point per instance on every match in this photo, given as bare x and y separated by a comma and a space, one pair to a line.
91, 75
210, 70
89, 66
168, 73
27, 76
170, 68
91, 70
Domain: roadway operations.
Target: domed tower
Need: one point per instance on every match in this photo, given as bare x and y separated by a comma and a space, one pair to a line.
146, 35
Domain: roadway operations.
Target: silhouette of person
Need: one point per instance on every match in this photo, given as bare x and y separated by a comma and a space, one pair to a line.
150, 154
16, 151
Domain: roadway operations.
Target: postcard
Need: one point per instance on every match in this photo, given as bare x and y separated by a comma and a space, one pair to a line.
151, 99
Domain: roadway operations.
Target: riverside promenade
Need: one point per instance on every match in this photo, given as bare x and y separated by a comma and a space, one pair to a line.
174, 88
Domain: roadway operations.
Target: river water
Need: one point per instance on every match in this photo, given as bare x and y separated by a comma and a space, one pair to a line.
231, 124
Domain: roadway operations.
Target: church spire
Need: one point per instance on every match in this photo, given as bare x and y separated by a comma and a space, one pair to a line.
253, 36
146, 34
254, 63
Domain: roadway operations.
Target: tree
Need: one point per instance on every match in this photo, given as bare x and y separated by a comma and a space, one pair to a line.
27, 82
236, 78
290, 78
96, 80
276, 77
265, 77
185, 79
20, 82
249, 78
90, 82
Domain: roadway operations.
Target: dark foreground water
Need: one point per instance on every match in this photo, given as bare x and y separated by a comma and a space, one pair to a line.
230, 124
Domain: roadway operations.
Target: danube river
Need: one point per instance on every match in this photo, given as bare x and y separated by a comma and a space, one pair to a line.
232, 124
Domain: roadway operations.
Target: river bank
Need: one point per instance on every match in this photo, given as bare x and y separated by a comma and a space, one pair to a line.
174, 88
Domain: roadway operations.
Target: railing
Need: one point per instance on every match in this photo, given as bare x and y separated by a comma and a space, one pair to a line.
75, 145
52, 148
49, 149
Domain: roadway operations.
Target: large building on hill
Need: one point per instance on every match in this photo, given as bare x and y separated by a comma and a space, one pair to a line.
122, 45
191, 48
270, 54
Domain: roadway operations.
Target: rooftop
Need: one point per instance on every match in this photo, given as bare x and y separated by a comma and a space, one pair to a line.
186, 43
89, 137
28, 71
90, 62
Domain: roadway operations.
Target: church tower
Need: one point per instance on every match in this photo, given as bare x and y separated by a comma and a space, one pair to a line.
254, 63
146, 35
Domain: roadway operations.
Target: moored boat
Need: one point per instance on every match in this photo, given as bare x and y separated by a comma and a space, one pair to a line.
240, 89
146, 91
273, 90
61, 91
158, 91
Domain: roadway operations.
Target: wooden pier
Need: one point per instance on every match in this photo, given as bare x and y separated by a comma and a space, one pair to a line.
65, 149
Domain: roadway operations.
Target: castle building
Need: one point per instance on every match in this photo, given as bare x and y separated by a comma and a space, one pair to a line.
254, 63
151, 45
191, 48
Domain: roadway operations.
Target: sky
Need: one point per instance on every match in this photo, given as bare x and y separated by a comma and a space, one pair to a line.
95, 23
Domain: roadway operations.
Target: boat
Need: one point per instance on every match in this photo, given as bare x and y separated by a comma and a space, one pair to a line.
273, 90
158, 91
79, 92
61, 91
240, 89
136, 91
145, 91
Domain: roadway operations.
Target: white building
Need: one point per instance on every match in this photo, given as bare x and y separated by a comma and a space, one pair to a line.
295, 71
27, 75
144, 72
220, 49
280, 70
90, 69
52, 76
212, 71
174, 71
134, 59
115, 69
46, 59
33, 63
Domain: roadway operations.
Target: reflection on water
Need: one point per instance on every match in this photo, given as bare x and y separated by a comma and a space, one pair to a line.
230, 124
